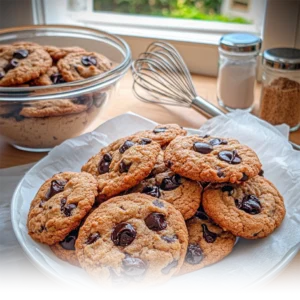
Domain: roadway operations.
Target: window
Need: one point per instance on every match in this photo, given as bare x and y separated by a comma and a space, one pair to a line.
194, 27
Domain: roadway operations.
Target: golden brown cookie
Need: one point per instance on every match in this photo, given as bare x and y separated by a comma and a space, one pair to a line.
212, 159
252, 210
22, 63
132, 238
163, 133
122, 164
60, 205
57, 53
52, 76
208, 243
78, 66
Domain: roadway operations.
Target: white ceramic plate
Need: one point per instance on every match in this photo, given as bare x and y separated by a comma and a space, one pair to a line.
251, 262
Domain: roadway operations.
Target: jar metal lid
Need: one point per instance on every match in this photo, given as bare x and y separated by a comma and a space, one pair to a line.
282, 58
240, 42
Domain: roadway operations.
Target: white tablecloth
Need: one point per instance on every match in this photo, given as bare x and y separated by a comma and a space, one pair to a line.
17, 275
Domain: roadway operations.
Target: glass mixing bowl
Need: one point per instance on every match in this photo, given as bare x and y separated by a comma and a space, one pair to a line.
41, 132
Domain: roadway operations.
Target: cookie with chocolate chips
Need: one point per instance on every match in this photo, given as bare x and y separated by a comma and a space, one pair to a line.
164, 184
122, 165
22, 63
60, 205
81, 65
252, 210
163, 133
212, 159
132, 238
208, 243
52, 76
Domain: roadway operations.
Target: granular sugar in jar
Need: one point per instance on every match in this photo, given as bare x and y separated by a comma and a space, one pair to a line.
280, 97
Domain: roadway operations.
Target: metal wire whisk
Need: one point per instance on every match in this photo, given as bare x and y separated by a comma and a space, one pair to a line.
162, 77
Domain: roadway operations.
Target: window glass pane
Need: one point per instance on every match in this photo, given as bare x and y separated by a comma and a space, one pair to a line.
242, 11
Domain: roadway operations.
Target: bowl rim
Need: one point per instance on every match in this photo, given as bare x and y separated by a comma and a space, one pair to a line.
78, 87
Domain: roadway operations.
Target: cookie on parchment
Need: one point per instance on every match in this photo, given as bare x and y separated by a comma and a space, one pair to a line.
122, 165
81, 65
132, 238
22, 63
252, 210
212, 159
208, 243
60, 205
163, 133
164, 184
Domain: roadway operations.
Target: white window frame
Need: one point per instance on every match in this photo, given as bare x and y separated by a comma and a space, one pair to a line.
197, 41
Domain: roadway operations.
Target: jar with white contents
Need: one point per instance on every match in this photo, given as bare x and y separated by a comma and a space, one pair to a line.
237, 70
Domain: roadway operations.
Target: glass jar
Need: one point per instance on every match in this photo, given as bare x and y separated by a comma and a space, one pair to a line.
237, 70
280, 95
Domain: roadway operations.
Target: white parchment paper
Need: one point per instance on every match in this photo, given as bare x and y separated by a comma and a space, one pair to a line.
249, 262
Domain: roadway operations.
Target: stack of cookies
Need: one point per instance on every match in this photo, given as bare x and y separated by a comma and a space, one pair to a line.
154, 205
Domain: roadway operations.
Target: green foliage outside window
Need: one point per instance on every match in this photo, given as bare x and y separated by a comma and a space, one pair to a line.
208, 10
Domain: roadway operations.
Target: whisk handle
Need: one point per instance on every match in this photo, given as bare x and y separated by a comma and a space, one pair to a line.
205, 108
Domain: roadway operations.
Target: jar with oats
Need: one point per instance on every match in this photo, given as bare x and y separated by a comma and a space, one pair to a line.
280, 95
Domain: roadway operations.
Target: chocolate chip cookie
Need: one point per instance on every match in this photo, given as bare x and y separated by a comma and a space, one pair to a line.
19, 64
53, 108
122, 165
183, 193
52, 76
60, 205
132, 238
212, 159
208, 243
163, 133
78, 66
252, 210
57, 53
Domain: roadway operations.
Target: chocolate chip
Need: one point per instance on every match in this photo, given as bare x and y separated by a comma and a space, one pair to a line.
261, 173
145, 141
57, 78
20, 54
126, 146
169, 239
209, 236
133, 266
156, 221
250, 204
171, 183
245, 177
103, 166
11, 65
2, 74
152, 191
69, 241
42, 202
124, 166
215, 142
158, 203
169, 267
204, 136
93, 238
159, 130
56, 186
42, 228
123, 234
194, 254
119, 281
89, 60
202, 148
230, 157
66, 209
228, 188
220, 173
